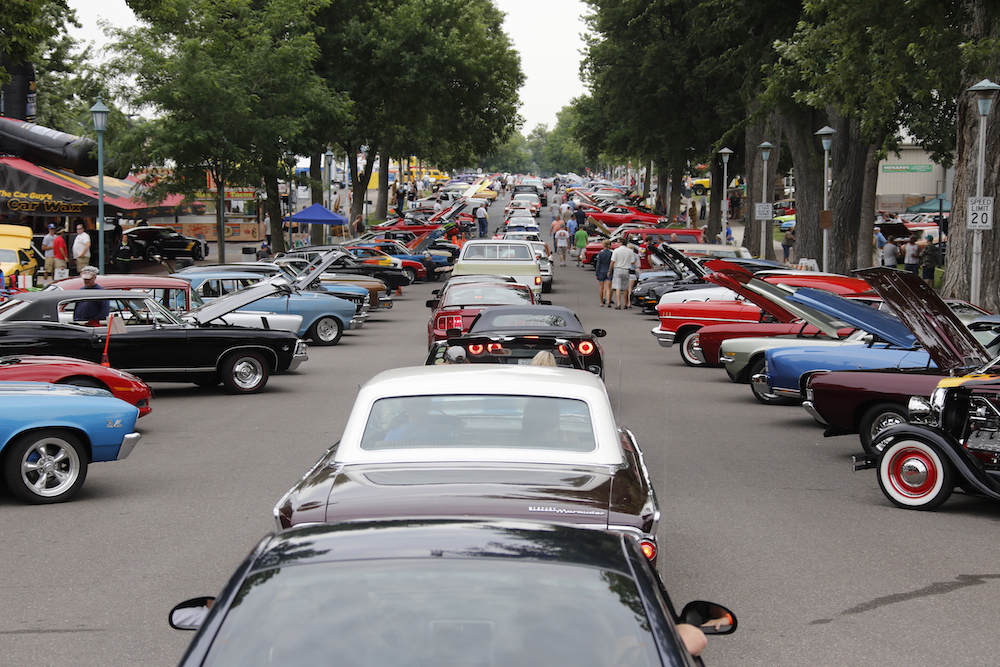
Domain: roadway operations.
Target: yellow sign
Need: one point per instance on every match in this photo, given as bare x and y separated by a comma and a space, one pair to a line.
62, 207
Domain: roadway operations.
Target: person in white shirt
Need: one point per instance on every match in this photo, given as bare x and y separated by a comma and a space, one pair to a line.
622, 260
562, 237
483, 220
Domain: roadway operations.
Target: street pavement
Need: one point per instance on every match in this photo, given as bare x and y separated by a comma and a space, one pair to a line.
760, 513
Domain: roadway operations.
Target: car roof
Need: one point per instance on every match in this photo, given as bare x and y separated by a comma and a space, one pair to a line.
490, 380
132, 280
441, 538
487, 318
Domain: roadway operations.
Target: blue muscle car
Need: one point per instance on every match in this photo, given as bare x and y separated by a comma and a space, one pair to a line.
49, 434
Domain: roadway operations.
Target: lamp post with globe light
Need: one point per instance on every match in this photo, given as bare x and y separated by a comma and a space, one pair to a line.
980, 208
825, 134
725, 153
765, 153
99, 112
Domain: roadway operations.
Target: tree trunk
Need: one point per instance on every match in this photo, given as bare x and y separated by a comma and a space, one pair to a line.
220, 214
359, 189
662, 182
959, 250
676, 185
756, 191
274, 211
646, 189
847, 158
716, 194
807, 155
316, 232
382, 203
866, 223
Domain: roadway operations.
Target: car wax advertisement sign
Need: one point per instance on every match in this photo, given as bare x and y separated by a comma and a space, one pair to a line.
29, 189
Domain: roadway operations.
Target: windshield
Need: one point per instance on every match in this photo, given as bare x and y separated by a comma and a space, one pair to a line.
483, 295
479, 421
8, 256
454, 611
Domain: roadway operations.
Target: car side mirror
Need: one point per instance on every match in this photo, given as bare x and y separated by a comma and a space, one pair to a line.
711, 618
544, 302
432, 303
598, 333
190, 614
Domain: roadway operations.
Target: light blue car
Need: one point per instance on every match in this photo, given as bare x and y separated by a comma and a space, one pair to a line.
50, 433
324, 317
890, 344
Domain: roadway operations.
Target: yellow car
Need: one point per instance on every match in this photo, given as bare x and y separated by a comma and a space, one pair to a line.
485, 192
16, 257
701, 185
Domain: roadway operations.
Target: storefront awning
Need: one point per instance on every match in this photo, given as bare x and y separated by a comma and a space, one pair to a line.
31, 189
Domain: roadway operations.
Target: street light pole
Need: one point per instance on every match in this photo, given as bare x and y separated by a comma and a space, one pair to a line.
825, 134
99, 112
725, 153
985, 90
329, 185
765, 153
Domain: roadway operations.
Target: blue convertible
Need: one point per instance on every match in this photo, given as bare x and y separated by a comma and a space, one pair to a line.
49, 434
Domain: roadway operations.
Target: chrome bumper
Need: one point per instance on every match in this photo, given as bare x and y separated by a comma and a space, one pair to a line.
360, 317
299, 356
760, 381
811, 409
697, 352
664, 338
385, 302
128, 444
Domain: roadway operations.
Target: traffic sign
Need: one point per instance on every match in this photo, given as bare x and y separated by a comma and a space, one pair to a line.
763, 212
980, 213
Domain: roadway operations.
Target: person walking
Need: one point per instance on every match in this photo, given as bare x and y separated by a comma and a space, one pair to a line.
633, 272
890, 253
602, 267
622, 261
788, 245
60, 252
580, 216
48, 252
81, 247
562, 238
580, 239
930, 258
482, 219
911, 255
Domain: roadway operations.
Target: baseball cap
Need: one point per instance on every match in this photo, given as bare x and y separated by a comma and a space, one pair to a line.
88, 272
52, 225
455, 354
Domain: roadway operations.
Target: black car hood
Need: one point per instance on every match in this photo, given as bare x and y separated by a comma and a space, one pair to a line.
949, 342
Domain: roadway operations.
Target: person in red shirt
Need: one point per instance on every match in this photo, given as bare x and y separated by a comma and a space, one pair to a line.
59, 251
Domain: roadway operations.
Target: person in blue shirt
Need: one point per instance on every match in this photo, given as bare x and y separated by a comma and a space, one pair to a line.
91, 312
602, 267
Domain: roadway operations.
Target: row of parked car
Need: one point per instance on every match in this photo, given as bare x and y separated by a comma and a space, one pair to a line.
880, 354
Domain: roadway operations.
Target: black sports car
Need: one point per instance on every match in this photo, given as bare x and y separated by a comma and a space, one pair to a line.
147, 339
149, 242
516, 334
446, 592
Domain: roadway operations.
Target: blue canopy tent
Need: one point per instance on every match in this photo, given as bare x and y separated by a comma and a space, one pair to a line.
934, 205
317, 214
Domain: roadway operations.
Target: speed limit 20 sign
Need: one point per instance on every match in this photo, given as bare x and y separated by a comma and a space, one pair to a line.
980, 213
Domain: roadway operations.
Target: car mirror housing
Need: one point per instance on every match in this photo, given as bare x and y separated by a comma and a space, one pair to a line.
711, 618
598, 333
190, 614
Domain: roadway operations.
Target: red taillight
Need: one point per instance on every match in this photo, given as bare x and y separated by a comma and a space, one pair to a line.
563, 351
538, 280
586, 347
476, 348
648, 549
445, 322
493, 347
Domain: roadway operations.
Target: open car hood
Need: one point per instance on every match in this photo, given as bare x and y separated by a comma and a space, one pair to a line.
317, 267
769, 297
859, 315
949, 342
277, 286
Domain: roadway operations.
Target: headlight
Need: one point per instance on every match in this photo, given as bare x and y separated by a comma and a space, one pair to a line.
919, 408
937, 398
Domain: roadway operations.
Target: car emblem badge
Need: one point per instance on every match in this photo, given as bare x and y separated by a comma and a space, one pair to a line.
560, 510
114, 423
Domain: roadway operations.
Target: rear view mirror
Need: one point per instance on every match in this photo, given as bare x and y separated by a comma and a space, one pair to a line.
713, 619
190, 614
598, 333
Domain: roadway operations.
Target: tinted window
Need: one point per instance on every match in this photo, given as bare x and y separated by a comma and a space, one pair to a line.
499, 251
436, 611
473, 294
478, 421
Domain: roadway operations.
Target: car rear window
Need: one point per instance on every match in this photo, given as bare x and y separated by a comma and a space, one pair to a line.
474, 294
500, 251
479, 421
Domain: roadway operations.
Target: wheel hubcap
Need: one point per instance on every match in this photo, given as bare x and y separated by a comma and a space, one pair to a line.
50, 467
912, 473
327, 330
247, 373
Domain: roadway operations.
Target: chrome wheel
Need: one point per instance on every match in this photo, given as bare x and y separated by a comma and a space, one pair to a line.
875, 420
690, 350
245, 373
326, 331
913, 475
46, 467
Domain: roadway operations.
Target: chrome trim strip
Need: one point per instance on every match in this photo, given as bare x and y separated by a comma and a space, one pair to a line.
128, 444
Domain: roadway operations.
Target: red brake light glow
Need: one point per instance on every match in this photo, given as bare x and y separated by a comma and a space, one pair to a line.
445, 322
493, 347
563, 351
648, 549
586, 347
476, 348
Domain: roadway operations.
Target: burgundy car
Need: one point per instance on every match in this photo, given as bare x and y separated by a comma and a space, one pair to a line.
457, 305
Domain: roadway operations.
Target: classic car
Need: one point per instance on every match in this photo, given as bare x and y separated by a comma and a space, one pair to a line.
342, 263
951, 440
791, 278
50, 434
324, 317
519, 207
506, 258
712, 250
613, 216
152, 241
176, 294
867, 401
78, 373
520, 442
646, 235
156, 344
433, 268
446, 592
530, 198
353, 287
515, 334
457, 304
890, 343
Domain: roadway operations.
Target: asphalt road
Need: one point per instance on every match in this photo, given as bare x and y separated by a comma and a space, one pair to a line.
760, 513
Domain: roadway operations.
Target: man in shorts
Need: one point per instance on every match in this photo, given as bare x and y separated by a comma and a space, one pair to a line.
622, 261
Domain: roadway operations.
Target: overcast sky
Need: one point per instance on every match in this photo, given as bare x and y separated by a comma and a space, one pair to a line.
547, 33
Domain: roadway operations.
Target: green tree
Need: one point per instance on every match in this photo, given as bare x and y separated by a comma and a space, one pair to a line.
24, 25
